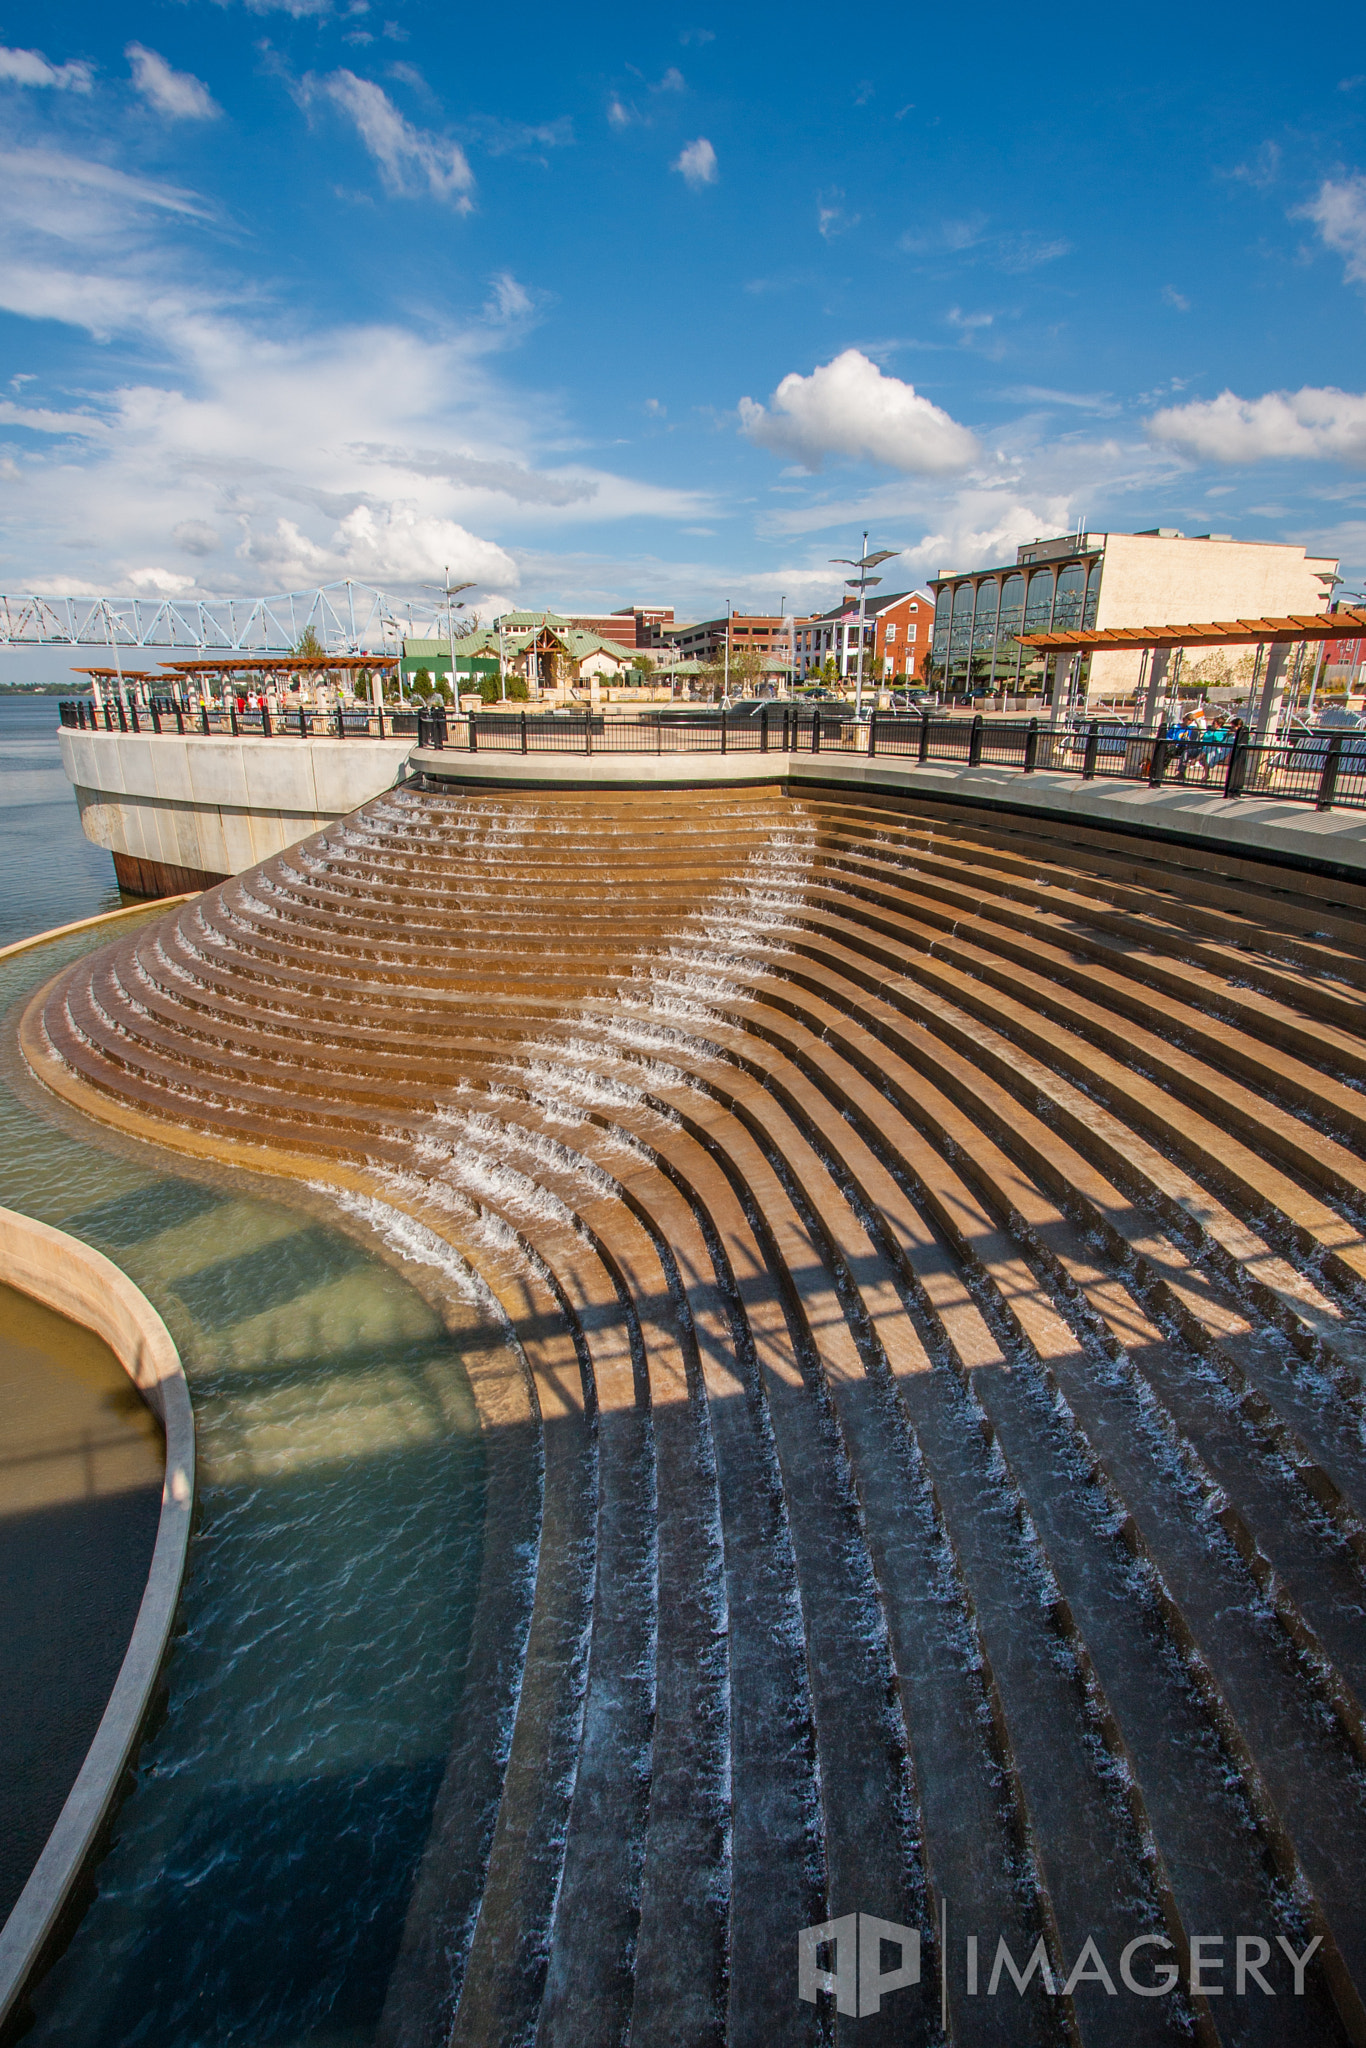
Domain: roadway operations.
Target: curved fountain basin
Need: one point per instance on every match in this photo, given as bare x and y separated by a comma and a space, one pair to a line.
262, 1869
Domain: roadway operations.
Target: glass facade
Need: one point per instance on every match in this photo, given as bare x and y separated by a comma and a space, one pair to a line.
1069, 597
1039, 602
978, 618
984, 618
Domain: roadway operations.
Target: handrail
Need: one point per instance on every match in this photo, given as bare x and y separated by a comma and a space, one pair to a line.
1319, 768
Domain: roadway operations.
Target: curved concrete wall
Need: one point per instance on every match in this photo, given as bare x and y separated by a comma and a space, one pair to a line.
81, 1283
212, 807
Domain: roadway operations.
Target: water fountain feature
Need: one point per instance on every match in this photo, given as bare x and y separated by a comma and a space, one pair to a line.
936, 1248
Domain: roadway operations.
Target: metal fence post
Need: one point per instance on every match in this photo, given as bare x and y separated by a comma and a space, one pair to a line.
1031, 759
156, 716
724, 717
523, 724
588, 729
975, 741
179, 717
763, 730
872, 734
1158, 766
816, 732
923, 751
133, 713
473, 732
1088, 766
267, 731
232, 715
1237, 766
204, 718
1328, 781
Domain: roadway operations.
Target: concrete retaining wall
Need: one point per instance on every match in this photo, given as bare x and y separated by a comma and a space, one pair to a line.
81, 1283
182, 809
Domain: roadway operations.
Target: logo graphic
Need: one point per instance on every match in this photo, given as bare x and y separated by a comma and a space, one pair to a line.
855, 1976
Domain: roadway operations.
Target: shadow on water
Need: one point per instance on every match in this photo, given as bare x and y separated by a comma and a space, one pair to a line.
260, 1869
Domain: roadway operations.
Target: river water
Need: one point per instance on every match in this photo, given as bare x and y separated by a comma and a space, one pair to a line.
51, 874
260, 1869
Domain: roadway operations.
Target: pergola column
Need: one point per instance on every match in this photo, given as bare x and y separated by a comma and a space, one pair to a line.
1273, 689
1154, 697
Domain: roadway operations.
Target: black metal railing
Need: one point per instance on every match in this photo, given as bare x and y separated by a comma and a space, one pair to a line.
1327, 769
166, 715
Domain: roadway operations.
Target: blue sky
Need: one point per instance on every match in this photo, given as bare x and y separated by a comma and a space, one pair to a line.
611, 306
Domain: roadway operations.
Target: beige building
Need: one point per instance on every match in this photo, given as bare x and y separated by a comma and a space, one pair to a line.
1157, 578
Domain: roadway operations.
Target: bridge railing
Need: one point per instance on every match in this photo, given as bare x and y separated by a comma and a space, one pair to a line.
1326, 769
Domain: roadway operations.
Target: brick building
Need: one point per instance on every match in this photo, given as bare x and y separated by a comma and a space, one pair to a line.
897, 632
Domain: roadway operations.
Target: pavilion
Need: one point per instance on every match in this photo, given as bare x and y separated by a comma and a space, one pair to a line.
1282, 645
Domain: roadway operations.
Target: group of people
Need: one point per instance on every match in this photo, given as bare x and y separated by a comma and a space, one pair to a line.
1195, 742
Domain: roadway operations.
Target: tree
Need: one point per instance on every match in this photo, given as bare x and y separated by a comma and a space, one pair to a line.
308, 644
422, 683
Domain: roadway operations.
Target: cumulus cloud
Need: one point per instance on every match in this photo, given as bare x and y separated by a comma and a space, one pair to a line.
1316, 424
177, 94
697, 162
1338, 210
408, 160
395, 544
31, 67
849, 409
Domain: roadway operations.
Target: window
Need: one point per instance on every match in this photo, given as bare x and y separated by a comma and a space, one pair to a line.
960, 639
891, 634
910, 630
1067, 605
1092, 596
1039, 605
984, 620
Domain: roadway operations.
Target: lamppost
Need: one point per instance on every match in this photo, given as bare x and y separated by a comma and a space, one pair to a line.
449, 590
861, 583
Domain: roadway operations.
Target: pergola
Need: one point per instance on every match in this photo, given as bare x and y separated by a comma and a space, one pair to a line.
1274, 639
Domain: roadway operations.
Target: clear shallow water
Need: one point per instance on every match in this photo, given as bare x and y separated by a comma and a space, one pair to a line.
256, 1888
50, 874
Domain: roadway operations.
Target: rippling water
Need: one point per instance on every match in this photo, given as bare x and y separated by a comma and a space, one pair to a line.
51, 873
256, 1887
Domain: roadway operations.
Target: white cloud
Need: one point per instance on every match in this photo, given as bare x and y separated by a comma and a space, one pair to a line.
1338, 210
697, 162
159, 582
407, 158
394, 545
177, 94
1311, 425
31, 67
243, 453
848, 408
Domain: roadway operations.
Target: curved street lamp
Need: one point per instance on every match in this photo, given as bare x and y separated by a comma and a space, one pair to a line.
862, 582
